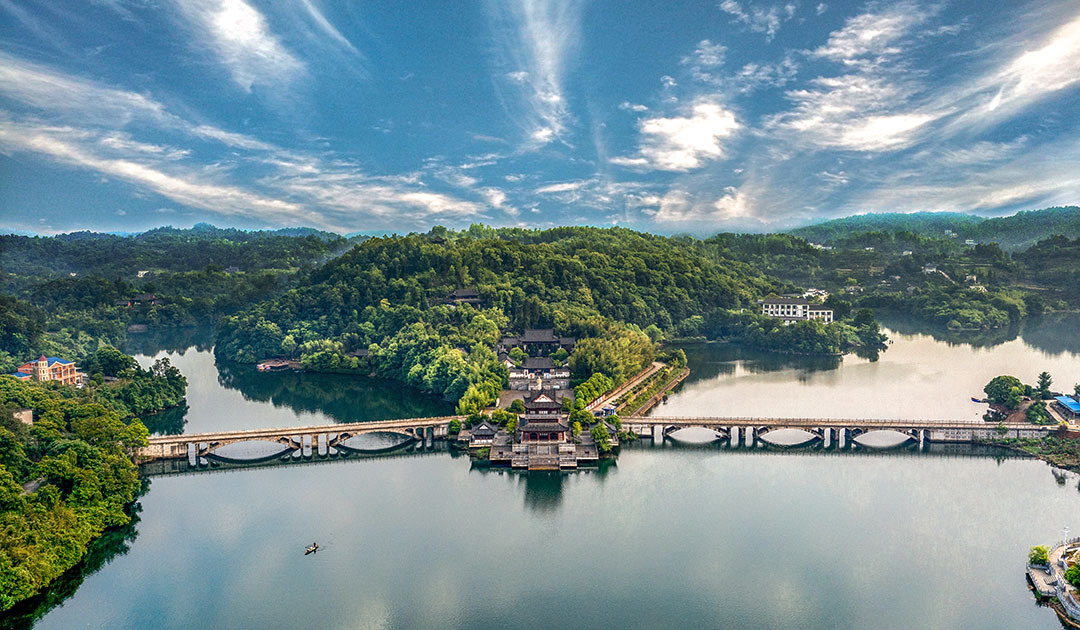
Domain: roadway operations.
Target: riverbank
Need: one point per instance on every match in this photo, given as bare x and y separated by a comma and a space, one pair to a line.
1060, 452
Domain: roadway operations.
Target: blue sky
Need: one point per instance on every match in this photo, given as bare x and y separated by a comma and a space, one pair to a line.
667, 116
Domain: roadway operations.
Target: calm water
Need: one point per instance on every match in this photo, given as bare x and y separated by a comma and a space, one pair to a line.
670, 536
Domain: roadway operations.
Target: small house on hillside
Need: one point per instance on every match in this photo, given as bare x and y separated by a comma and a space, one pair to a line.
465, 296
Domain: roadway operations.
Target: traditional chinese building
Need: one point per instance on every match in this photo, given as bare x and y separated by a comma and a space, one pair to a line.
50, 369
538, 373
539, 341
465, 296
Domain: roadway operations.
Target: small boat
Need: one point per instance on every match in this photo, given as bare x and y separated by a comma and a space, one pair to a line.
973, 399
312, 549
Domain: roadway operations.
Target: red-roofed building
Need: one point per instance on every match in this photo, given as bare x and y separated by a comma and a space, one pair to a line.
50, 369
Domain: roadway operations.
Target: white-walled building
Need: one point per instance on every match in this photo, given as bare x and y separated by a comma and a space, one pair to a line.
795, 309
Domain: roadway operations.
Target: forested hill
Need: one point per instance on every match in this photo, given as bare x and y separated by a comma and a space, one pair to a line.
165, 250
387, 295
1015, 232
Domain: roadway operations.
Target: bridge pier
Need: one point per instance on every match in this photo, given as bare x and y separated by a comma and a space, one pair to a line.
826, 437
735, 438
841, 438
749, 437
657, 434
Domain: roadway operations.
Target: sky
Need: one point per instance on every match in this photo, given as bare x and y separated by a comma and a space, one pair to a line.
674, 117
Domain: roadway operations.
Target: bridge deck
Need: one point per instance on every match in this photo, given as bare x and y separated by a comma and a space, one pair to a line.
778, 423
255, 434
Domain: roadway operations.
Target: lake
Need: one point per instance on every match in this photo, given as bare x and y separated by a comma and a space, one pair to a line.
671, 535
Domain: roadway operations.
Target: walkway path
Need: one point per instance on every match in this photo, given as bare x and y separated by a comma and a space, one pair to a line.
625, 387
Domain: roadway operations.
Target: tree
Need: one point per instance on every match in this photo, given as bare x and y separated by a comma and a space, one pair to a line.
517, 406
841, 308
455, 426
1001, 388
109, 361
864, 317
1076, 391
602, 437
1044, 385
1039, 556
1037, 413
1072, 575
511, 425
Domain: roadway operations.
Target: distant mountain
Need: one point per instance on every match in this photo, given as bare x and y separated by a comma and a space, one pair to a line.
1015, 232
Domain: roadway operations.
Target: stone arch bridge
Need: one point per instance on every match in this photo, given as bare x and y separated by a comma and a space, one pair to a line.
308, 440
832, 431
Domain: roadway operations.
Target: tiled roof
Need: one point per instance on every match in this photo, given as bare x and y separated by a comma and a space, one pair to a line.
540, 335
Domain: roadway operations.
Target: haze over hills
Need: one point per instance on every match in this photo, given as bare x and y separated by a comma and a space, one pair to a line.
1014, 232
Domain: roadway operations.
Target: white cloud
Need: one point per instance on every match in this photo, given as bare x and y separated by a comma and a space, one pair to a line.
705, 59
869, 108
561, 187
42, 88
84, 102
1054, 65
683, 143
535, 39
679, 206
68, 146
868, 36
758, 19
496, 198
632, 107
242, 41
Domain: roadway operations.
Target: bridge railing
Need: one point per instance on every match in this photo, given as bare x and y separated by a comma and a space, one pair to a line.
945, 424
327, 428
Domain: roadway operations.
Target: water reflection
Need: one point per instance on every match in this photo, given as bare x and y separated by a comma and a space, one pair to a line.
225, 396
345, 398
168, 422
1054, 333
173, 341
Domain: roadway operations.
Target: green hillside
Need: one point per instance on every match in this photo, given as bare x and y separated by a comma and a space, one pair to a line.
616, 290
1015, 232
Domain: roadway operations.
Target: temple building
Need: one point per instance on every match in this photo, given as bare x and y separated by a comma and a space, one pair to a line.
543, 420
538, 373
543, 439
50, 369
538, 342
465, 296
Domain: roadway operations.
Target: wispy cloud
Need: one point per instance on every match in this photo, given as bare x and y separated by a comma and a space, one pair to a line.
534, 41
241, 40
69, 146
83, 124
326, 27
868, 108
759, 19
1034, 71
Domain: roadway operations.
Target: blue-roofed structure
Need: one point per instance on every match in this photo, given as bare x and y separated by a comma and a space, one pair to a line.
1070, 404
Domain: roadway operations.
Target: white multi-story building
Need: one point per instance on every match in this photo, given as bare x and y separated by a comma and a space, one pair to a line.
795, 309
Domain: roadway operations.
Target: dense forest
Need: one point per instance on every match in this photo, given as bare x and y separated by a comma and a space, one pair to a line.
616, 290
77, 454
68, 295
164, 250
1014, 232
